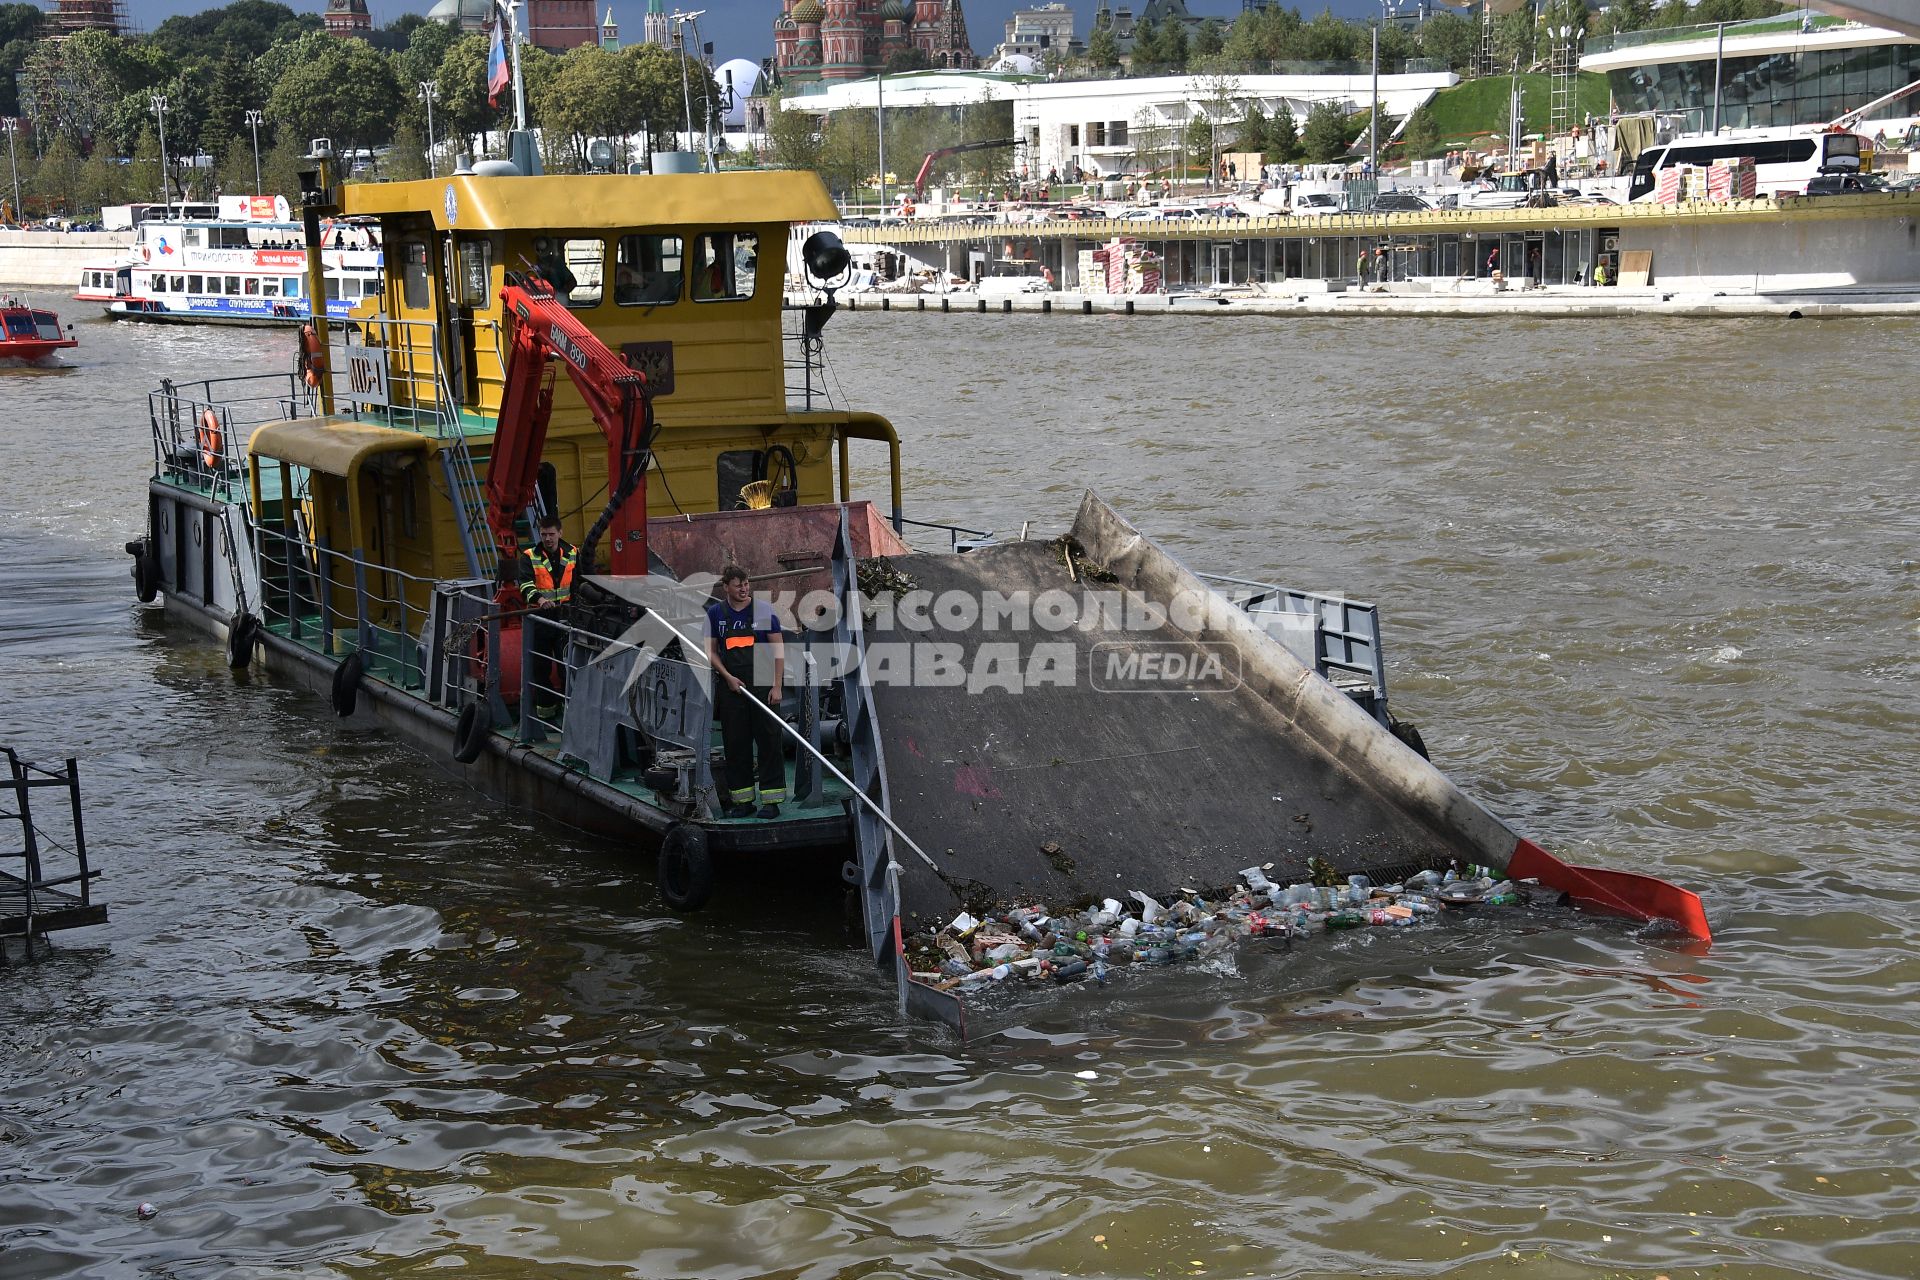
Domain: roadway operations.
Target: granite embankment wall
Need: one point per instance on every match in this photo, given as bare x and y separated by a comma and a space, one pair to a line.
52, 259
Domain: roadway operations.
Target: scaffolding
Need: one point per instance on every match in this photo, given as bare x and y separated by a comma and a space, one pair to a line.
1562, 102
69, 16
1483, 64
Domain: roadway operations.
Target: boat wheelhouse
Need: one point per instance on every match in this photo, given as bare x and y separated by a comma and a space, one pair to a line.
30, 333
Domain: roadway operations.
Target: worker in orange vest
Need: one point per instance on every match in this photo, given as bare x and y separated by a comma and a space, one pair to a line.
546, 582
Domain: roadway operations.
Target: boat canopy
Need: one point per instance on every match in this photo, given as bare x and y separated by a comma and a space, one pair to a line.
612, 202
332, 446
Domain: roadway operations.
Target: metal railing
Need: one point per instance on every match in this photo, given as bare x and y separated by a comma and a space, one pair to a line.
200, 429
1345, 634
391, 372
36, 900
301, 582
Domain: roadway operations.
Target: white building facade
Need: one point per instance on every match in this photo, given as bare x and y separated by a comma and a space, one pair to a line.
1097, 126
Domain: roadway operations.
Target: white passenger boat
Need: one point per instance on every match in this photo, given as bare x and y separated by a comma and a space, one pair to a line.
237, 262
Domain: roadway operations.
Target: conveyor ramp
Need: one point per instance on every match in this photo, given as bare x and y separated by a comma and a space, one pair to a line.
1056, 764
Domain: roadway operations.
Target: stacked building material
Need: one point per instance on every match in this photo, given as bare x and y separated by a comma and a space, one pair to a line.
1732, 179
1093, 271
1672, 183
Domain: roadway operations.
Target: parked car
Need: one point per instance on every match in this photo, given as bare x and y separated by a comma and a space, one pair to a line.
1314, 204
1398, 202
1845, 184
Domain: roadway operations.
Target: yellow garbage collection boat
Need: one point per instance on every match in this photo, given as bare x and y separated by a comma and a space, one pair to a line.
615, 351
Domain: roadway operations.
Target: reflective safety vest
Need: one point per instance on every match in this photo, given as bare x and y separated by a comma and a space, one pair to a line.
552, 579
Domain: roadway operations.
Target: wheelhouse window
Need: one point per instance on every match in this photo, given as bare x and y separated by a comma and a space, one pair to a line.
724, 263
647, 270
575, 268
415, 291
474, 278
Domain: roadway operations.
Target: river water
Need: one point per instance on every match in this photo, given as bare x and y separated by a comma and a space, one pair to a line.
1650, 589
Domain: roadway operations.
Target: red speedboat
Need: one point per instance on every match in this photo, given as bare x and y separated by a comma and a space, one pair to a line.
30, 333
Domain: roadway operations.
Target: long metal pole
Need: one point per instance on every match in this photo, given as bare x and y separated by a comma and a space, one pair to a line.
880, 118
1719, 56
166, 191
519, 86
686, 94
253, 122
429, 90
1373, 119
13, 166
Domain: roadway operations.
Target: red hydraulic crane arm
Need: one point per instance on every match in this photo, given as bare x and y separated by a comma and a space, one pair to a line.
616, 396
936, 156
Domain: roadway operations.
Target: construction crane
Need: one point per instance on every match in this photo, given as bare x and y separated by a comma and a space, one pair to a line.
936, 156
616, 395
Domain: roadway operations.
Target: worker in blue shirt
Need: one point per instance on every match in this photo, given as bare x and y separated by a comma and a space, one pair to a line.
748, 655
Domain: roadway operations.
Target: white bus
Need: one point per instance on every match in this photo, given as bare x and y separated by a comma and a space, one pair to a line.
1783, 159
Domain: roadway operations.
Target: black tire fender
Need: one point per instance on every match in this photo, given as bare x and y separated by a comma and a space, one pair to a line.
146, 574
470, 733
346, 685
1409, 734
242, 634
686, 868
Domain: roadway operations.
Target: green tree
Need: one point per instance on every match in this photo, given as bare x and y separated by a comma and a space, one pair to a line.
793, 137
1513, 38
407, 157
235, 171
1173, 46
1255, 130
849, 152
1103, 50
342, 90
463, 111
280, 165
1146, 47
20, 26
245, 29
77, 84
1325, 137
143, 171
1328, 39
58, 179
1422, 134
1627, 15
904, 60
1283, 137
1209, 40
1452, 39
1674, 13
593, 93
99, 182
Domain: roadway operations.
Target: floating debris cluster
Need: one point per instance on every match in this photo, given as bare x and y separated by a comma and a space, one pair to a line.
1028, 944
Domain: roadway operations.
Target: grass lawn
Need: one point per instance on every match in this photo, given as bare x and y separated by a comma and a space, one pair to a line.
1476, 107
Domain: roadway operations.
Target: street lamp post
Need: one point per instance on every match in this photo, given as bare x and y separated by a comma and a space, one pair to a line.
12, 125
679, 21
253, 123
430, 94
160, 114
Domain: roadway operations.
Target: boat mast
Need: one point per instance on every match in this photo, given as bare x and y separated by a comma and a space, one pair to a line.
519, 85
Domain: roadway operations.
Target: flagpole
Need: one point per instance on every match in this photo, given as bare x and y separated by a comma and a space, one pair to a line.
519, 87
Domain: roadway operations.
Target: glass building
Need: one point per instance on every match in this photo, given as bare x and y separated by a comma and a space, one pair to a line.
1771, 73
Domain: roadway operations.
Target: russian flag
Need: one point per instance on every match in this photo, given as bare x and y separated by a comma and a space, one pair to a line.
498, 75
